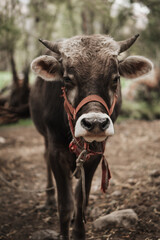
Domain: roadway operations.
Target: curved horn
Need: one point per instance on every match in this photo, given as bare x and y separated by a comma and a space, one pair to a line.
50, 45
124, 45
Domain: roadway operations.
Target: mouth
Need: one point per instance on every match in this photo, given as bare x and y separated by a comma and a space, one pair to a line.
95, 138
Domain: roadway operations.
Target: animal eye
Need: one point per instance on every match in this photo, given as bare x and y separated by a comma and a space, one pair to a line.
116, 79
115, 83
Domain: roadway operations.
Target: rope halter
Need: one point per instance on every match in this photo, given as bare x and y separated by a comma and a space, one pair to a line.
76, 146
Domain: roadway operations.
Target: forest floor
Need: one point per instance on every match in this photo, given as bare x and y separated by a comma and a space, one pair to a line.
133, 155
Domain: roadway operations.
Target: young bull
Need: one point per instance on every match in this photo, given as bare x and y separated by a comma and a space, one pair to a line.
84, 66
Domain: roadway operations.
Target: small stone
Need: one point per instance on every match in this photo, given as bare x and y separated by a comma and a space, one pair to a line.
112, 182
122, 218
93, 197
47, 220
116, 193
2, 140
155, 173
156, 207
113, 202
45, 235
95, 212
131, 181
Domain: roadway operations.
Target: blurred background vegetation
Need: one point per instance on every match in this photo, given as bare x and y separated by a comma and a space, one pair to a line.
23, 22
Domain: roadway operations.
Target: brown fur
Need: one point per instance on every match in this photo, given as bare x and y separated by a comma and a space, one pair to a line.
92, 63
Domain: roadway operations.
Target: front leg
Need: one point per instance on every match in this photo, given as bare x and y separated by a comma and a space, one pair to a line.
89, 166
51, 202
59, 159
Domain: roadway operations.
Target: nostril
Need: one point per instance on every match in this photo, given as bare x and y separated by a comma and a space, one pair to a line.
87, 124
104, 124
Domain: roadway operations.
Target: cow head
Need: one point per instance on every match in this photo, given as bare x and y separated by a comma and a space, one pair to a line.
89, 65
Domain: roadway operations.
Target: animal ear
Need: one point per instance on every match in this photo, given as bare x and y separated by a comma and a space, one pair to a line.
135, 66
47, 67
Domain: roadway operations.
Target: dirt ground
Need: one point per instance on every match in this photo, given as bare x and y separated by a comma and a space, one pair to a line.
134, 159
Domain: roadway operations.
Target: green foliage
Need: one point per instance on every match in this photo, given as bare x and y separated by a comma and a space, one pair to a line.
150, 44
20, 30
23, 22
20, 123
140, 110
5, 79
124, 82
9, 30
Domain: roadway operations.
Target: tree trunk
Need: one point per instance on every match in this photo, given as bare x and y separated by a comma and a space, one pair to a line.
91, 25
13, 69
26, 71
84, 22
70, 10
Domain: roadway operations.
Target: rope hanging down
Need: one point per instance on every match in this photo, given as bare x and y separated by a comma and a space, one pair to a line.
83, 151
76, 145
79, 167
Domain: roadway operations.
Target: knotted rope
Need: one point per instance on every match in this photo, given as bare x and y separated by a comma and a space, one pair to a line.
79, 167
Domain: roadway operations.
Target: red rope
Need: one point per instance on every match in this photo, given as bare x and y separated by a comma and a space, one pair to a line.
106, 175
76, 146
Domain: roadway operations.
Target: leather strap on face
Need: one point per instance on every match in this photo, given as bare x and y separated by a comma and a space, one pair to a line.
91, 98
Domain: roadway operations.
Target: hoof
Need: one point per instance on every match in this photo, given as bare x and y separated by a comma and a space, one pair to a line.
63, 237
51, 201
78, 235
